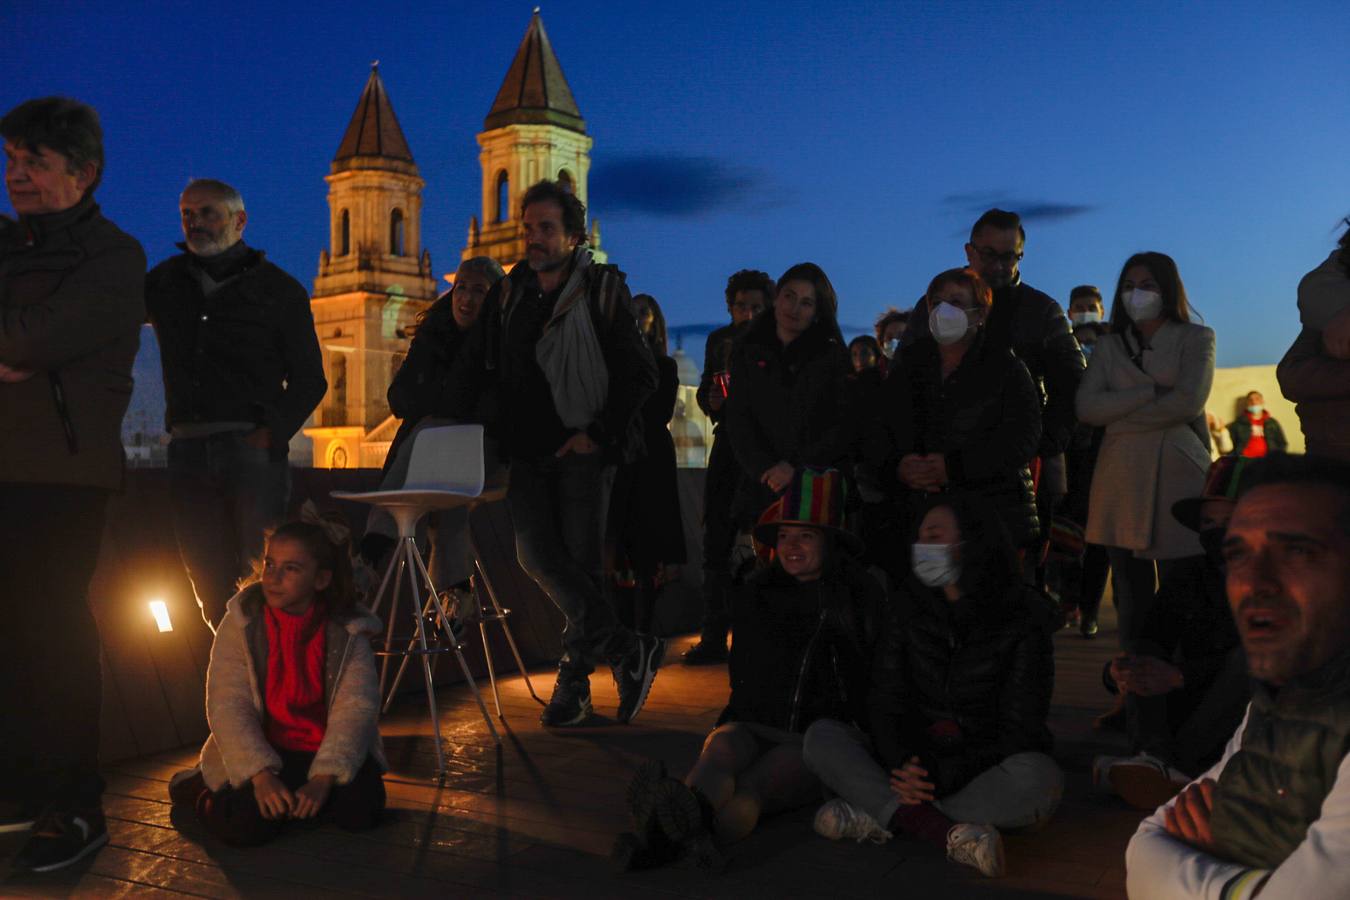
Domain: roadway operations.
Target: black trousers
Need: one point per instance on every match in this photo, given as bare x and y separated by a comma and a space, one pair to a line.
51, 683
233, 816
1189, 728
719, 534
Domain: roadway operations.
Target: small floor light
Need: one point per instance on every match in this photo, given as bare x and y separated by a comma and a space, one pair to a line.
160, 610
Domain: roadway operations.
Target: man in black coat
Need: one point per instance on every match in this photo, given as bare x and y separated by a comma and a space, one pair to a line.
748, 294
1034, 327
242, 372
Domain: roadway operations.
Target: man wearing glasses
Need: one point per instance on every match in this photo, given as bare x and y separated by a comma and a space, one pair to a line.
1034, 327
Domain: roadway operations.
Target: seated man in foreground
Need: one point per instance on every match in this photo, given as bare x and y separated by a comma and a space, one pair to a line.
1272, 817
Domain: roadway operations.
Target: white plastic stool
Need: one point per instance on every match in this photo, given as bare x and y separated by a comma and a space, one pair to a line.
444, 472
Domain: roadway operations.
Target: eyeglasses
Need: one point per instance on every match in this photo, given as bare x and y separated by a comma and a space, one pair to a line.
990, 255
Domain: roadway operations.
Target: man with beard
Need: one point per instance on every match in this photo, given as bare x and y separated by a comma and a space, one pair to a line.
242, 372
1272, 816
748, 293
574, 371
1035, 328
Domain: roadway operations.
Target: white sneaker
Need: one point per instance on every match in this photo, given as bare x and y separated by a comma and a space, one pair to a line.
1142, 780
838, 819
978, 846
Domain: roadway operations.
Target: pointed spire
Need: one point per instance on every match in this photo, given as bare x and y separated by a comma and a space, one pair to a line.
374, 133
535, 91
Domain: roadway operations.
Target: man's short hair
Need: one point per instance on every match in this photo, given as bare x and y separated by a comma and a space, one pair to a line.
228, 194
749, 280
61, 124
1298, 469
1085, 290
573, 210
999, 220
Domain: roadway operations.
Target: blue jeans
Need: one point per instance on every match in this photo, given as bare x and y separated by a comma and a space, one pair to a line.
225, 494
558, 508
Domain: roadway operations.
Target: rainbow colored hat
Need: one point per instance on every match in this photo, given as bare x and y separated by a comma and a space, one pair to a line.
1222, 482
814, 499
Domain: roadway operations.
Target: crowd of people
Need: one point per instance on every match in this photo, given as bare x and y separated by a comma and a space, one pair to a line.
894, 528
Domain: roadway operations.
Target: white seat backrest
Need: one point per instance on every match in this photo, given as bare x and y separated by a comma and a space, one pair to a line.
447, 458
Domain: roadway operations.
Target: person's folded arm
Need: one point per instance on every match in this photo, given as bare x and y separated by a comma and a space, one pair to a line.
1306, 373
1096, 403
1184, 401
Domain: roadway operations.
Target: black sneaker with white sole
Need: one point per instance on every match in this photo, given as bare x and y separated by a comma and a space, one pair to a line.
15, 817
634, 673
60, 839
570, 703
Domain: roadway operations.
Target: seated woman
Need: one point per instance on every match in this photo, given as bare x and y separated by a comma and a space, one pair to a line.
958, 414
292, 697
804, 630
439, 383
960, 696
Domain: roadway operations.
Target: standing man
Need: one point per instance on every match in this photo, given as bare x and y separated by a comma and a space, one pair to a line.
1034, 327
1256, 433
242, 372
574, 372
1272, 816
748, 293
71, 308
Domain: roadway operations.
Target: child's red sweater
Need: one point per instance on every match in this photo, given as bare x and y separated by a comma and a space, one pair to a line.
296, 713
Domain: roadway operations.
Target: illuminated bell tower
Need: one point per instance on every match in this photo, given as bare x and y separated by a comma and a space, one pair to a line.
533, 132
373, 280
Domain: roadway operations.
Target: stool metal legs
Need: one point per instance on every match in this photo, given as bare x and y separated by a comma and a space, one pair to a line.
500, 615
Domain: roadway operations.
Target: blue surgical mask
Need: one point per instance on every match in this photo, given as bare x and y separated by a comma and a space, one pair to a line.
890, 347
1255, 409
935, 564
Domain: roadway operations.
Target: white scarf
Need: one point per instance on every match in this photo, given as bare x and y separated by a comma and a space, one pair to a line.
569, 353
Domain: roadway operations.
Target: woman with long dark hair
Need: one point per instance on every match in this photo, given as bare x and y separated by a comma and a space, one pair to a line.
789, 373
646, 529
1146, 383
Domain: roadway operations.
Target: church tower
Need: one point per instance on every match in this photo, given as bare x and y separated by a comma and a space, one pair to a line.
534, 131
373, 280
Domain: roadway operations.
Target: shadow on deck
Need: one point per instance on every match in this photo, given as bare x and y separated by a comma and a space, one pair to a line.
537, 817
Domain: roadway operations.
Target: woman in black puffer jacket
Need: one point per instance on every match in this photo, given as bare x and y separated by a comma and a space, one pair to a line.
805, 630
958, 415
961, 691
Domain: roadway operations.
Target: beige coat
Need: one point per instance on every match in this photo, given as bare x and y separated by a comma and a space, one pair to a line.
237, 748
1152, 454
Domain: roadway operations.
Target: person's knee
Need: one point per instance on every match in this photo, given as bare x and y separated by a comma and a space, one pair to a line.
1041, 781
821, 741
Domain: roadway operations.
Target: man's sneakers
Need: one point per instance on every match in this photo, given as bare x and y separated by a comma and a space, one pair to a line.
61, 839
15, 817
708, 651
838, 819
1143, 781
634, 673
570, 703
977, 846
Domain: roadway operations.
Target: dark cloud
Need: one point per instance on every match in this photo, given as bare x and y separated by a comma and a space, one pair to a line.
1030, 211
678, 186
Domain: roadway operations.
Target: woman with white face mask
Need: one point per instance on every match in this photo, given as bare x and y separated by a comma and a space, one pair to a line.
958, 742
957, 414
1147, 383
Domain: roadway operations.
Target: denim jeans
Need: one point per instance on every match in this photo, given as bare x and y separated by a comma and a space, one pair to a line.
558, 508
225, 494
1022, 791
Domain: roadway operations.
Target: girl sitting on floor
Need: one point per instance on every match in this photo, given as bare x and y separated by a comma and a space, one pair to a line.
291, 697
804, 634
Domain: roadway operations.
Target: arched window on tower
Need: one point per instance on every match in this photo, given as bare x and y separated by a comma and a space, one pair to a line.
345, 234
565, 181
503, 197
396, 232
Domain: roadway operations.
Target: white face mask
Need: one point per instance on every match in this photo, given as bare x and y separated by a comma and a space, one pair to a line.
890, 347
1085, 318
934, 564
947, 323
1142, 305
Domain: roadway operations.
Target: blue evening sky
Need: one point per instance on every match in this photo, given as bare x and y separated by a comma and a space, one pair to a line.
862, 136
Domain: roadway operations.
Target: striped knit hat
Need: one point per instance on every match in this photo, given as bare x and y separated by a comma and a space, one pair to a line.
814, 499
1222, 482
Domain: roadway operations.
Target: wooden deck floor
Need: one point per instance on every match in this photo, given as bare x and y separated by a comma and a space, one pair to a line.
536, 817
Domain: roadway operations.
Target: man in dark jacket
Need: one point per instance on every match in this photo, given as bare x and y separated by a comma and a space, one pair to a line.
1272, 816
574, 371
1035, 328
71, 308
748, 294
242, 372
1256, 433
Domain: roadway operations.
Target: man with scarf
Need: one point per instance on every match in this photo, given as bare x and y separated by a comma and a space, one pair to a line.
242, 372
574, 371
1272, 816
